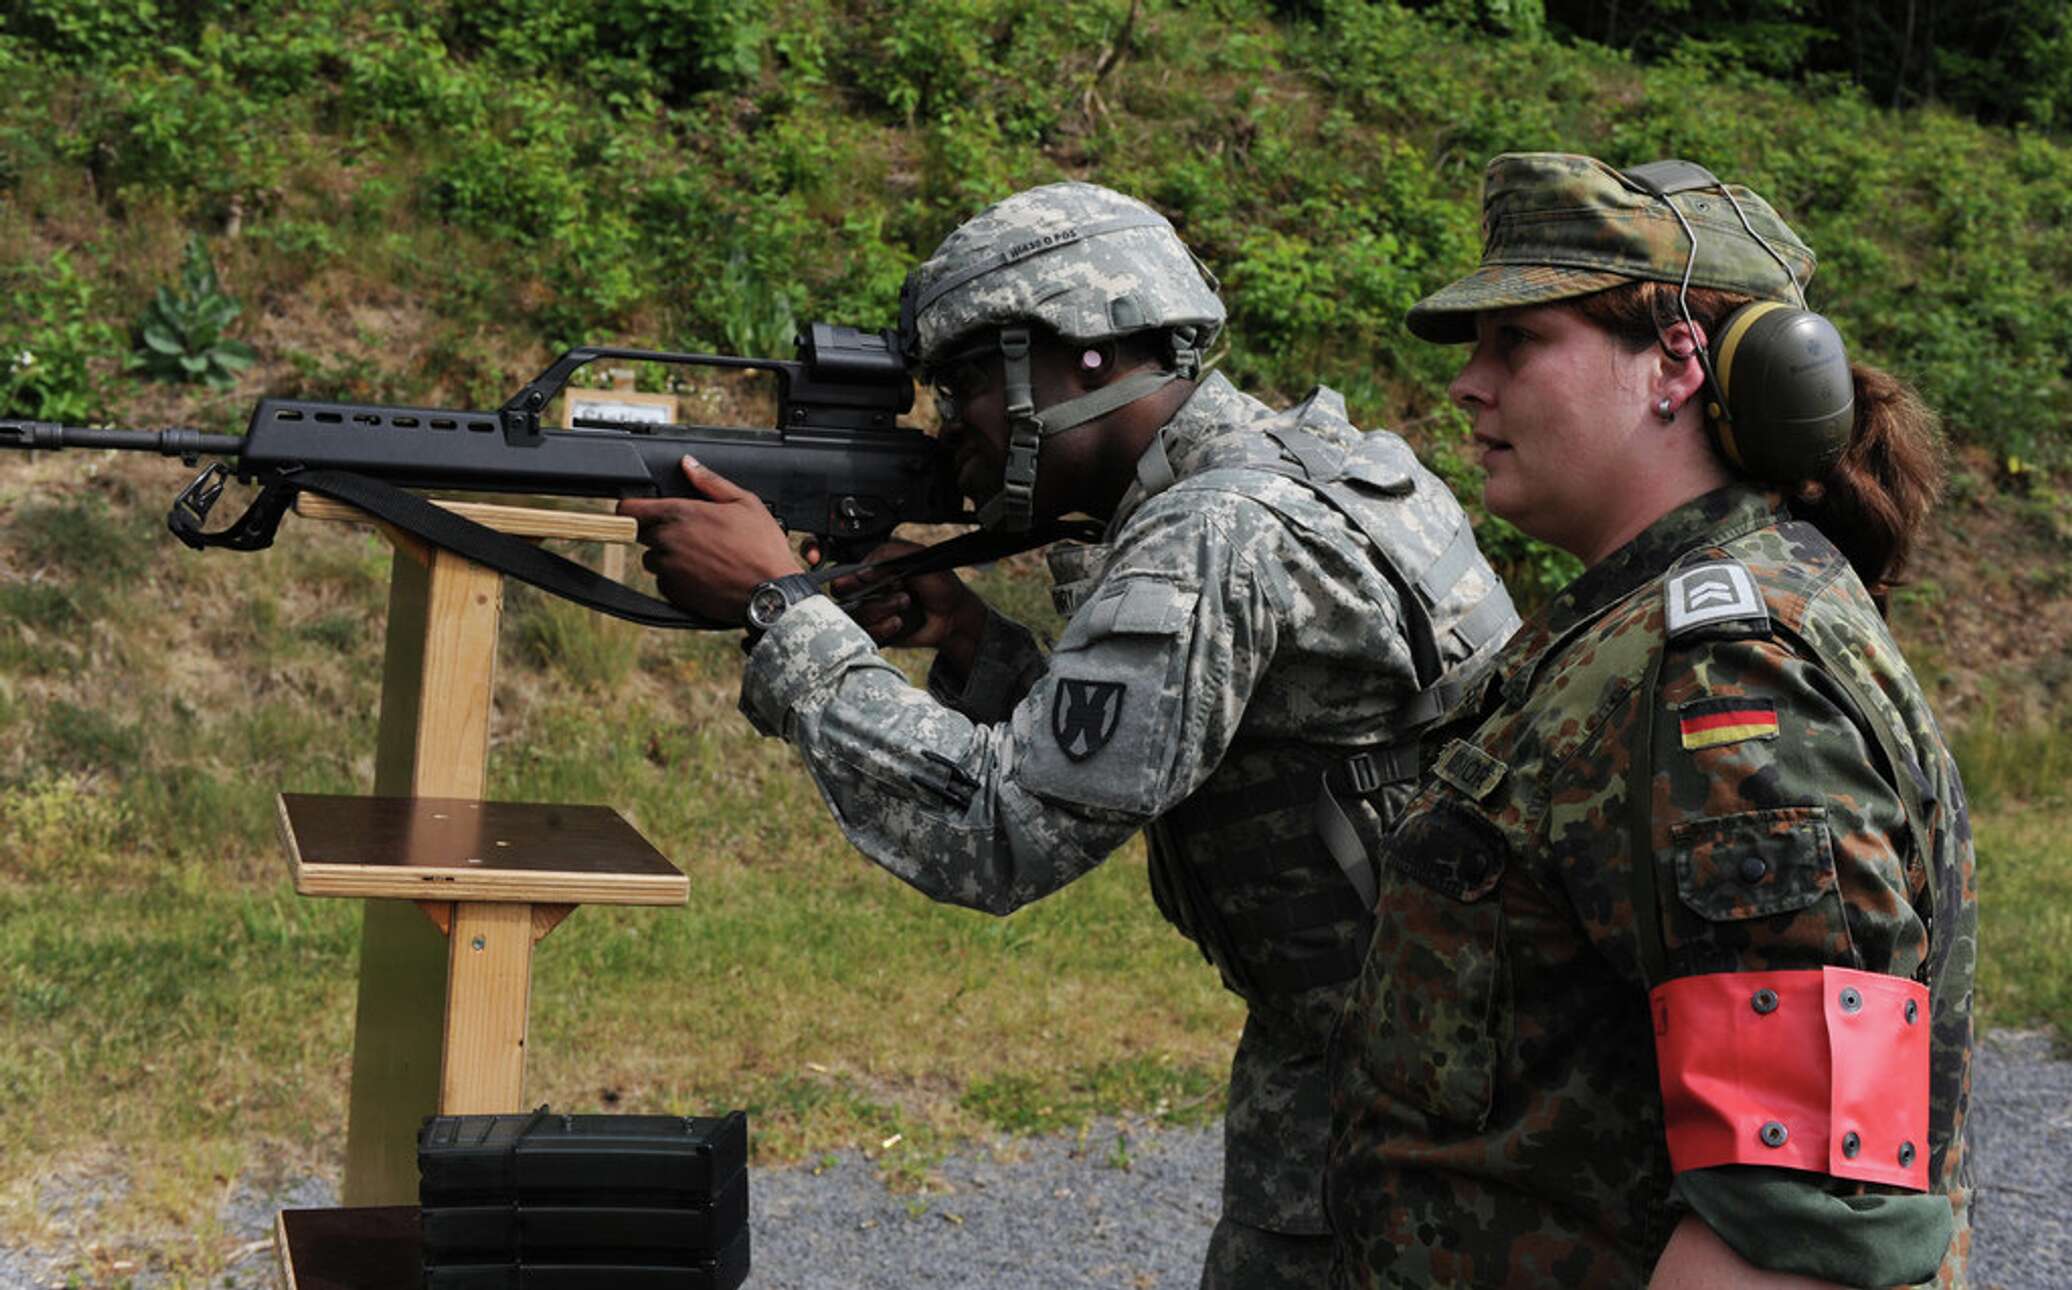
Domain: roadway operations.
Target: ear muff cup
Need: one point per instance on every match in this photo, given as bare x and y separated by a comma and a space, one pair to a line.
1790, 403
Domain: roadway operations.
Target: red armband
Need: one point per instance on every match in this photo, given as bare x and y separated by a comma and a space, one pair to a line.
1825, 1071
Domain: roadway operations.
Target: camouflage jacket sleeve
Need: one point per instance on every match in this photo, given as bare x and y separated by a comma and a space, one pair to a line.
1142, 695
1006, 665
1777, 845
1778, 842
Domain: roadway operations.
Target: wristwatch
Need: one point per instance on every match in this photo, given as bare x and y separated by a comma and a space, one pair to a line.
769, 600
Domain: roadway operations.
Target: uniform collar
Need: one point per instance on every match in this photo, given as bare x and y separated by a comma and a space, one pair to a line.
1709, 520
1215, 408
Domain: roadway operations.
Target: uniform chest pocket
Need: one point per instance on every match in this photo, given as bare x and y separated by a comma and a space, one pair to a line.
1439, 992
1103, 728
1758, 881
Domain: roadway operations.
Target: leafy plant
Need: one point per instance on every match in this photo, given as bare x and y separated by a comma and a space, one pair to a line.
754, 319
179, 336
49, 329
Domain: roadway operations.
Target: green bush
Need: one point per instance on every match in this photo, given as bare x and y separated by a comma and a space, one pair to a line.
182, 129
702, 173
626, 51
100, 31
180, 335
2003, 60
51, 327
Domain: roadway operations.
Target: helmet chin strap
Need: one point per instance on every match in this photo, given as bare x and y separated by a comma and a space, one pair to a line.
1009, 510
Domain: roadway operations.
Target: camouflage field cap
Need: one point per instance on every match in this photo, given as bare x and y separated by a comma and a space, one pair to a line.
1556, 226
1086, 261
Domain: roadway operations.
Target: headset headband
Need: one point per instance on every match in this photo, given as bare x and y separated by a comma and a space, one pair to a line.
1662, 179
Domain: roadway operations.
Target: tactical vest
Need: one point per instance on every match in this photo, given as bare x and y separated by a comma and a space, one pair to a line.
1268, 866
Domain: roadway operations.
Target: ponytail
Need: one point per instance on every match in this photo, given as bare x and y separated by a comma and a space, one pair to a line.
1876, 498
1874, 501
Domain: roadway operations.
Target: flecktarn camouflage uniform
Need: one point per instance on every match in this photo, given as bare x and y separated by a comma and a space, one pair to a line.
1497, 1119
1233, 624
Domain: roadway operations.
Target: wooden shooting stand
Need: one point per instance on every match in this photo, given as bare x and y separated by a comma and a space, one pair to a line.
457, 889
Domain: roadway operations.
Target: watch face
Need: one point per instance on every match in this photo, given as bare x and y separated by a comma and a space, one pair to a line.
765, 605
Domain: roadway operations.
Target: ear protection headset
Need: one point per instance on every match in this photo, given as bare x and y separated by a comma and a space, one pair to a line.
1779, 398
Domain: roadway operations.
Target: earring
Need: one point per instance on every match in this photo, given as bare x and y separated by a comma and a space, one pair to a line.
1664, 409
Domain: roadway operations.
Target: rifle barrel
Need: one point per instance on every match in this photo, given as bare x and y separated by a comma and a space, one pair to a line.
169, 443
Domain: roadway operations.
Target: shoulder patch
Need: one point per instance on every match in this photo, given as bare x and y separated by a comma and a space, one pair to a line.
1084, 714
1713, 592
1709, 723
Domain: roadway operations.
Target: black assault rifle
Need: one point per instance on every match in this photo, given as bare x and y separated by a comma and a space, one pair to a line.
837, 465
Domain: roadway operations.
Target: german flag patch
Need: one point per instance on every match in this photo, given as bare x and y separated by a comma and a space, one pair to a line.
1708, 723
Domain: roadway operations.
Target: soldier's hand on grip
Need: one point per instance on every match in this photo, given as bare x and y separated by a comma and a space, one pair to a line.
926, 610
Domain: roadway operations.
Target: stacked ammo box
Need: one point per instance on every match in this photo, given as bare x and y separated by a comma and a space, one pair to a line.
584, 1202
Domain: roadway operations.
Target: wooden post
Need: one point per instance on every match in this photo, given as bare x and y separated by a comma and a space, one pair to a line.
439, 1026
437, 680
489, 984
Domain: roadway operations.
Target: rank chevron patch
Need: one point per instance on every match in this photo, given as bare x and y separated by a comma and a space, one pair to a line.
1715, 591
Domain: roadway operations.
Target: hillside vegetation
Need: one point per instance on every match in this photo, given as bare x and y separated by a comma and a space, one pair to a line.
422, 204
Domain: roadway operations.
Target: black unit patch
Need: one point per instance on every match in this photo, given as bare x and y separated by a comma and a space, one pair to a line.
1084, 714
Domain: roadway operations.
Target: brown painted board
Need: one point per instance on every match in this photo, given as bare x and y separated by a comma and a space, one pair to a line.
444, 848
370, 1248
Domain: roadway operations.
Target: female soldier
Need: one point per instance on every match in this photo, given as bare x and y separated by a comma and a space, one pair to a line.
1685, 902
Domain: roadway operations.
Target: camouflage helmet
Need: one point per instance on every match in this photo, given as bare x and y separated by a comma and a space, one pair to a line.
1083, 260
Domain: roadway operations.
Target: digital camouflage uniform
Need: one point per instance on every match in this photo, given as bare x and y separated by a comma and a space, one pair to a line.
1232, 636
1497, 1118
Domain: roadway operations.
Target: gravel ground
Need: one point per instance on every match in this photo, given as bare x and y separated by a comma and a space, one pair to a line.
1127, 1207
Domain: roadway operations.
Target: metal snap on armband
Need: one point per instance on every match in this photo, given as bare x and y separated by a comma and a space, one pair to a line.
1852, 1001
1851, 1144
1913, 1011
1775, 1134
1906, 1155
1764, 1001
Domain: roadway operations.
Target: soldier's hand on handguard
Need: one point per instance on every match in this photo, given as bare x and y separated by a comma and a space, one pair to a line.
927, 611
708, 552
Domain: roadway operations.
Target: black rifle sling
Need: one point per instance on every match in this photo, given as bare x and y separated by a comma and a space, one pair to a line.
517, 558
514, 557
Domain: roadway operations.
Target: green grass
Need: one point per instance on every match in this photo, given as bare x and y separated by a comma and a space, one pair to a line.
2017, 768
2014, 759
2018, 775
202, 1020
162, 988
2025, 919
413, 229
164, 993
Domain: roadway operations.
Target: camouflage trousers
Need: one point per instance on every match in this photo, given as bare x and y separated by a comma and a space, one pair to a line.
1243, 1257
